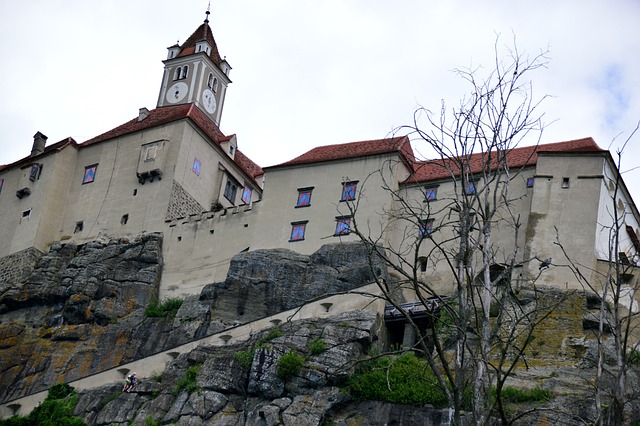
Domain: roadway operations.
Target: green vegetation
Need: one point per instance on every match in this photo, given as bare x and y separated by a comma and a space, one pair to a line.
166, 309
245, 358
55, 410
189, 382
403, 379
515, 395
272, 334
148, 421
317, 346
289, 365
633, 357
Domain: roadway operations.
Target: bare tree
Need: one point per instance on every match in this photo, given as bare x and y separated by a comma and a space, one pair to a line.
470, 237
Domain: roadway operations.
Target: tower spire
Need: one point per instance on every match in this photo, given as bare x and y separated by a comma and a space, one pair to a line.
206, 19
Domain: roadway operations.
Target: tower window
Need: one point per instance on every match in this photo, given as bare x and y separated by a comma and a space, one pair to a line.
214, 85
185, 71
210, 81
177, 74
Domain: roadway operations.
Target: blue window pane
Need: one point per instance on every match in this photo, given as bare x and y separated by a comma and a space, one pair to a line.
349, 191
304, 199
297, 231
89, 174
342, 226
471, 188
246, 195
196, 166
530, 182
431, 194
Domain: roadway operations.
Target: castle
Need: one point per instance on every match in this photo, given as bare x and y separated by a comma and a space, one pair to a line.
171, 170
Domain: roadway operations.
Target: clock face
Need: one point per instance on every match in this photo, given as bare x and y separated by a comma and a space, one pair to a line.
209, 101
177, 92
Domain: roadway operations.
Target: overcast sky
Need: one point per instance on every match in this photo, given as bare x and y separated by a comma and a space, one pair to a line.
308, 73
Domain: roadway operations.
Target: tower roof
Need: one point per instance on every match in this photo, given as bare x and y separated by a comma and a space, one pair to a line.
203, 32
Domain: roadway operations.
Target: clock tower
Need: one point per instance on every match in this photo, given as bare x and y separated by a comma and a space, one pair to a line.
195, 73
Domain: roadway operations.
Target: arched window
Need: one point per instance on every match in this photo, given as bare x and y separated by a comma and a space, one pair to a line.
210, 81
176, 76
215, 85
185, 71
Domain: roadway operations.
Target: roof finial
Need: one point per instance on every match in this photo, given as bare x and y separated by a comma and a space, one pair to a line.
206, 19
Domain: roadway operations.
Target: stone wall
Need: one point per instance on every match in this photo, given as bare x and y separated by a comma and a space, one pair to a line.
15, 267
182, 204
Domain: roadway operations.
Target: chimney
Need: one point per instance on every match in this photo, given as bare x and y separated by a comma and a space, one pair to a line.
142, 114
39, 141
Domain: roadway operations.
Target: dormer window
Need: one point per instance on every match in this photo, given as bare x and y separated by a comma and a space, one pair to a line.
230, 149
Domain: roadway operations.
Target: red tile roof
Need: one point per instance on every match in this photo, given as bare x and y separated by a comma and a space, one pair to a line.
518, 157
400, 144
164, 115
203, 32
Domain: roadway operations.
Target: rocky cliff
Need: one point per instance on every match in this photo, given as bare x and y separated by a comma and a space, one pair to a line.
80, 309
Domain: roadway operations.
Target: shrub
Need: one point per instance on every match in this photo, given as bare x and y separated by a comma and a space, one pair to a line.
272, 334
633, 357
515, 395
245, 358
166, 309
189, 382
403, 379
289, 365
317, 346
55, 410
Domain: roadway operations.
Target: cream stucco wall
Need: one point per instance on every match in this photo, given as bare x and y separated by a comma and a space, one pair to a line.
278, 210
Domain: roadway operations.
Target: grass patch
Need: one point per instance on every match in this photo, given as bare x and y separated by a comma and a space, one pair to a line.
55, 410
317, 346
245, 358
515, 395
189, 382
167, 309
403, 379
273, 333
289, 365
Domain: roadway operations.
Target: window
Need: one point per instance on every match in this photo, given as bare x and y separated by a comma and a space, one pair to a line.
230, 149
210, 81
304, 197
1, 184
246, 195
297, 230
79, 227
530, 182
124, 219
470, 189
197, 166
26, 214
343, 225
34, 173
89, 174
230, 190
426, 227
176, 76
185, 71
565, 183
349, 191
422, 264
215, 85
431, 193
